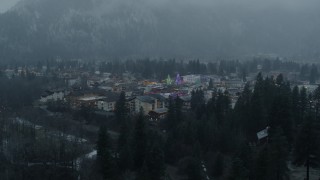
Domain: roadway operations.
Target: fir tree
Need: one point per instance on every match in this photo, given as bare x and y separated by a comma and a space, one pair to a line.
194, 169
140, 141
218, 165
104, 158
303, 103
278, 154
306, 151
155, 163
210, 84
313, 74
238, 170
121, 111
261, 166
242, 110
295, 106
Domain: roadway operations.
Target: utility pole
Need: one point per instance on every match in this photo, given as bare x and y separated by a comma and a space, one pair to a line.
308, 166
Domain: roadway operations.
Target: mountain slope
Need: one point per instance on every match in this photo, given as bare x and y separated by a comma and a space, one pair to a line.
39, 29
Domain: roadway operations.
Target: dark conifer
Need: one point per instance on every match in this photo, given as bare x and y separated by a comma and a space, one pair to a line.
140, 141
104, 158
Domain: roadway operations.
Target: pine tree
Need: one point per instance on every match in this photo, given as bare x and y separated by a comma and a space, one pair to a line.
155, 163
121, 111
303, 103
306, 151
193, 100
295, 106
258, 109
316, 99
278, 154
280, 115
238, 170
194, 169
125, 160
104, 158
140, 141
313, 74
218, 165
242, 110
261, 165
124, 146
178, 109
210, 84
171, 119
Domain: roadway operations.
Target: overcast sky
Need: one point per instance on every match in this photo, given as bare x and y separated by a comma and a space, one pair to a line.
7, 4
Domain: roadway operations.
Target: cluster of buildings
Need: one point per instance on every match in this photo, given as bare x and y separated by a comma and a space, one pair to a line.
100, 91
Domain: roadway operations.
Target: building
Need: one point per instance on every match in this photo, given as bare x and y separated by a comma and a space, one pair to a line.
89, 100
186, 102
53, 95
148, 104
191, 79
108, 103
158, 114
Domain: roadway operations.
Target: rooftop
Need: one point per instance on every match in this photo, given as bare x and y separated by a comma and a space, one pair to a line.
91, 98
147, 99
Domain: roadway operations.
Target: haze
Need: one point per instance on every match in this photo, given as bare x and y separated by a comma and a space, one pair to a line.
6, 4
155, 28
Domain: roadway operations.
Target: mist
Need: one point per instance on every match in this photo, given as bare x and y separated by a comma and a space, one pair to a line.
5, 5
170, 28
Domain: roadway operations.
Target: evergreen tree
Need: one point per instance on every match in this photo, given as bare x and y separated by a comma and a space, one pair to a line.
306, 151
171, 119
280, 115
124, 148
140, 141
210, 84
121, 111
303, 103
222, 107
178, 109
125, 160
104, 158
278, 154
218, 166
193, 100
313, 74
194, 169
155, 163
295, 106
316, 99
142, 174
238, 170
258, 109
261, 165
242, 110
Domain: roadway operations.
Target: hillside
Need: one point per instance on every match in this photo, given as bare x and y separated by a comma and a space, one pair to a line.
40, 29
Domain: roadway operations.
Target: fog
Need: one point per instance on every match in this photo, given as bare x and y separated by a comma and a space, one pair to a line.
169, 28
6, 4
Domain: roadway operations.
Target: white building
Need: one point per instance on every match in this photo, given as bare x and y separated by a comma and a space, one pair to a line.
55, 95
106, 106
149, 103
191, 79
